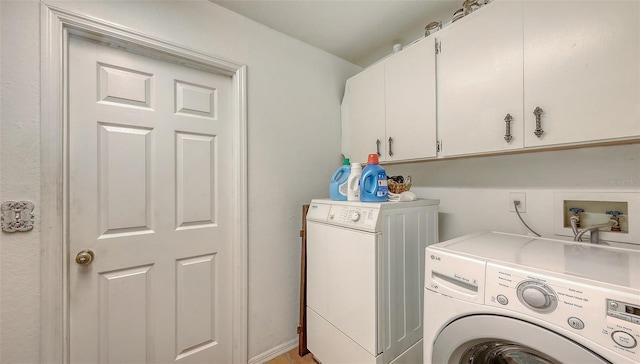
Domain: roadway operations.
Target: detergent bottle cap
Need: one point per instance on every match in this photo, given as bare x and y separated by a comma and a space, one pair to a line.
346, 162
373, 159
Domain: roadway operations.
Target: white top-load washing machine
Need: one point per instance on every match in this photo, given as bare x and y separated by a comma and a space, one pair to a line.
502, 298
365, 279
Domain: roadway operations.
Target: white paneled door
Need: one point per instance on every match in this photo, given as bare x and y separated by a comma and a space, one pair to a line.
149, 153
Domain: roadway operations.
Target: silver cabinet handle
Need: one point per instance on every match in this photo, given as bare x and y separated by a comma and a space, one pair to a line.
378, 147
538, 112
507, 133
390, 151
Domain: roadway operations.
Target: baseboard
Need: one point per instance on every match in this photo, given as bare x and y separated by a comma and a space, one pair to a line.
272, 353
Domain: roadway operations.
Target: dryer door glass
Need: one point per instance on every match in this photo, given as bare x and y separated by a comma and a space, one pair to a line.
501, 352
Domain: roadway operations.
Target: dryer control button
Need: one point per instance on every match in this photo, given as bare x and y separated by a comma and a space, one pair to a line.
624, 339
576, 323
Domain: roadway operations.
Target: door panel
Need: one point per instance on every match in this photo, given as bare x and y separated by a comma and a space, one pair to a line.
149, 147
195, 197
582, 67
195, 303
367, 114
124, 179
480, 81
410, 89
125, 301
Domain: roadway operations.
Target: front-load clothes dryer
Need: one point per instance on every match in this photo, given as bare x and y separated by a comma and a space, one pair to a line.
365, 264
503, 298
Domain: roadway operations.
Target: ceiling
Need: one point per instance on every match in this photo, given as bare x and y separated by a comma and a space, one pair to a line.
359, 31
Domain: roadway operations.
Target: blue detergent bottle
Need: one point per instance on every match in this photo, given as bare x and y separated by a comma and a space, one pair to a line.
373, 182
338, 185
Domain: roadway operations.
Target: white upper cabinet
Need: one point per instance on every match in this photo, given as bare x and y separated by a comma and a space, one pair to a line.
367, 113
479, 72
410, 88
582, 68
578, 63
392, 106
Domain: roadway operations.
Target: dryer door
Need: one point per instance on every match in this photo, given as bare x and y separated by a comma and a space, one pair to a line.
342, 285
491, 339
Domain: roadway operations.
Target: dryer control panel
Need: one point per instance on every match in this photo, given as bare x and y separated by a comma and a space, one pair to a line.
351, 216
354, 216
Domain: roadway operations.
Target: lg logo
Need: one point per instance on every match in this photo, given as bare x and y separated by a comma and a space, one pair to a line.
434, 257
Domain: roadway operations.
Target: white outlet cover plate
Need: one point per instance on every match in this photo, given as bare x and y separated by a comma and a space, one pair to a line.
631, 198
520, 196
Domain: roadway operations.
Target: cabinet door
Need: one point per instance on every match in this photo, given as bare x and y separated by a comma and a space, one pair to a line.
366, 113
582, 68
479, 71
410, 88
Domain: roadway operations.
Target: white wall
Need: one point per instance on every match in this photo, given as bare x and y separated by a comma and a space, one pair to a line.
294, 94
20, 179
474, 192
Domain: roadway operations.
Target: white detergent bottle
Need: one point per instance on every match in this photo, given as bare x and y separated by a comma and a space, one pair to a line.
353, 183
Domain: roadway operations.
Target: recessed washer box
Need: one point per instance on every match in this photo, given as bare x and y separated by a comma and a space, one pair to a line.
595, 205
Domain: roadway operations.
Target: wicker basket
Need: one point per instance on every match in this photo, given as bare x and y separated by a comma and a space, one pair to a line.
396, 187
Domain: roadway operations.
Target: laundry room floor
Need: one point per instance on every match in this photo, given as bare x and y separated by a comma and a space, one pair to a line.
292, 357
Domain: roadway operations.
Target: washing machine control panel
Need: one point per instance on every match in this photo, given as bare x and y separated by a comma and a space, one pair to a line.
603, 314
624, 311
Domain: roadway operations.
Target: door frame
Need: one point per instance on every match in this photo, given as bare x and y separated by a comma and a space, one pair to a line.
56, 26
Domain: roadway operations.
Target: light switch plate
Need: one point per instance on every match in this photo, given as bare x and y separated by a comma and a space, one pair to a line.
17, 216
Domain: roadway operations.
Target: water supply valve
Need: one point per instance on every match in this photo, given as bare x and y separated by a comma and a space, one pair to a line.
576, 212
614, 216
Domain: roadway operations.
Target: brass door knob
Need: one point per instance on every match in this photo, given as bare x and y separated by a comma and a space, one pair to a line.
85, 257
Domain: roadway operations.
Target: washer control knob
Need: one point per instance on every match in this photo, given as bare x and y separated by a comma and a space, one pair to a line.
355, 216
624, 339
613, 305
537, 296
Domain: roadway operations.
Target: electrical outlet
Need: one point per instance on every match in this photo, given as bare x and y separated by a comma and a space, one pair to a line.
518, 196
